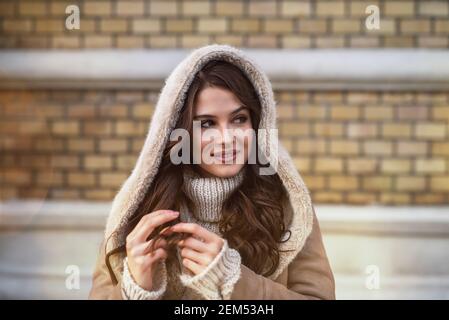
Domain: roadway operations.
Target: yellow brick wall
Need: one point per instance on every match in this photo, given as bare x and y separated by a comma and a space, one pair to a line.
192, 23
350, 147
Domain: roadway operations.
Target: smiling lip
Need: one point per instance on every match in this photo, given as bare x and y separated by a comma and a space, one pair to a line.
226, 156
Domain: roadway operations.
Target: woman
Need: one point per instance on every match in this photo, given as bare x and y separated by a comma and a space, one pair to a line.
213, 216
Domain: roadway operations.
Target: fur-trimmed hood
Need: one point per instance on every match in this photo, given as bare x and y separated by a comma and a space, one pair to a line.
167, 109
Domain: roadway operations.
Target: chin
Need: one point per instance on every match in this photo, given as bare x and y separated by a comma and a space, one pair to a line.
222, 171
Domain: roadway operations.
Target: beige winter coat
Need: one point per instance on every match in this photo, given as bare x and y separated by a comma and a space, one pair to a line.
303, 272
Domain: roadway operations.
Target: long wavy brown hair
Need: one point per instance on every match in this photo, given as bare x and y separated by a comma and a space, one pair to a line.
252, 217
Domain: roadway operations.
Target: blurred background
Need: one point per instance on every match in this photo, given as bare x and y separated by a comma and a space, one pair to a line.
362, 89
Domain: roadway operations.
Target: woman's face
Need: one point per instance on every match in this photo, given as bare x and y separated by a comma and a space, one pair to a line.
224, 152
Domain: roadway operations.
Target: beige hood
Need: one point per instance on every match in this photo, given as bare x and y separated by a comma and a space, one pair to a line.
162, 123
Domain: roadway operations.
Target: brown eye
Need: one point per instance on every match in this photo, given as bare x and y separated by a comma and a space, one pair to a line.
241, 119
206, 123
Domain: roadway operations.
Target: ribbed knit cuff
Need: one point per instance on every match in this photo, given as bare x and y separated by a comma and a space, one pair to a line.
217, 281
132, 291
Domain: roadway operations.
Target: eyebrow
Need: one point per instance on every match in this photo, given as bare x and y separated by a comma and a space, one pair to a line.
212, 116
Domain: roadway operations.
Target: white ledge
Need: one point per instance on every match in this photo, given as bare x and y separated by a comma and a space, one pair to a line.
318, 69
413, 220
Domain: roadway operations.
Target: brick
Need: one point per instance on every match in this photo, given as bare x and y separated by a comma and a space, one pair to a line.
430, 130
229, 8
433, 8
263, 41
394, 198
16, 176
262, 8
411, 148
399, 8
130, 128
49, 179
430, 165
126, 162
330, 8
245, 25
66, 127
179, 25
295, 8
345, 112
415, 26
327, 129
17, 25
378, 147
296, 42
433, 42
278, 26
336, 97
7, 8
410, 183
94, 41
294, 129
33, 8
302, 164
168, 41
314, 182
361, 165
163, 8
143, 111
81, 179
442, 26
98, 162
311, 146
72, 42
378, 112
358, 8
65, 161
147, 25
328, 165
97, 8
344, 147
343, 183
330, 42
440, 148
113, 145
377, 183
81, 111
328, 197
285, 112
112, 179
312, 26
395, 130
114, 25
440, 113
50, 25
196, 8
81, 144
127, 41
413, 112
97, 128
113, 110
395, 166
99, 194
192, 41
362, 98
360, 198
125, 8
359, 130
212, 25
346, 26
440, 183
387, 27
233, 40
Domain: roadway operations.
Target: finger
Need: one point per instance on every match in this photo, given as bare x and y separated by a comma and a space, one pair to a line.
194, 244
194, 229
195, 256
192, 266
152, 223
159, 254
142, 220
144, 248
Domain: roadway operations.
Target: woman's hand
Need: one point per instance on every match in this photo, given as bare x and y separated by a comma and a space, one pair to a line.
141, 260
200, 249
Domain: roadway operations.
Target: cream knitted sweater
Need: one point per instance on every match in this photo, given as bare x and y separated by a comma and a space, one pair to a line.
217, 281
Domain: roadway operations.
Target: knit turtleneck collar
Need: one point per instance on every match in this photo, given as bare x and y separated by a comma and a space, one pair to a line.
209, 193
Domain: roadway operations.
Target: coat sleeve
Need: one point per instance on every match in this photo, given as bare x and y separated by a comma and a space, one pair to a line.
309, 276
102, 286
